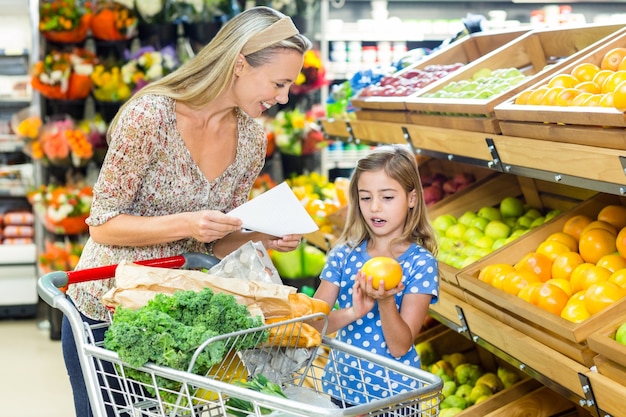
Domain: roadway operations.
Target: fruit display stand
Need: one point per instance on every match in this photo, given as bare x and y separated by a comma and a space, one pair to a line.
595, 126
537, 54
462, 51
558, 333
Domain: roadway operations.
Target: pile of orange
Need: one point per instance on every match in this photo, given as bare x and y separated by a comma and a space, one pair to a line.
587, 84
574, 273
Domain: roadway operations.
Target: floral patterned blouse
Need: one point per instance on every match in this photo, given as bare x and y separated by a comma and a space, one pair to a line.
148, 171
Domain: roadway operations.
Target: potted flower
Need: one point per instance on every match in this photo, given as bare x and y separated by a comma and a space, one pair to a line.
64, 21
298, 138
63, 208
158, 22
113, 25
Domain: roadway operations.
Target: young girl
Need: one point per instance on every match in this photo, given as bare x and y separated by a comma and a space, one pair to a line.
386, 217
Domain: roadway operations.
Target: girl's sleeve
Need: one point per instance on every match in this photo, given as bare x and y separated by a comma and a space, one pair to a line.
128, 158
423, 275
332, 271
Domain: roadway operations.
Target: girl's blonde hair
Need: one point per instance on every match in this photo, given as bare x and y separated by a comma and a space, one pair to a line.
211, 72
399, 163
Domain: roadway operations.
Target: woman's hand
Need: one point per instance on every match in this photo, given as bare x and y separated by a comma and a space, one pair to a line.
286, 243
210, 225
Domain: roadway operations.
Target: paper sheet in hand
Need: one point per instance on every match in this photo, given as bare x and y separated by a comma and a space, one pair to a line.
277, 212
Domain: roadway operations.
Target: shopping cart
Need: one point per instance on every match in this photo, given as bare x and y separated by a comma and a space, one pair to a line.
116, 388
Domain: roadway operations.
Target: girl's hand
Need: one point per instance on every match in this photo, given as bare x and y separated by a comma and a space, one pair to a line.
286, 243
377, 293
210, 225
362, 303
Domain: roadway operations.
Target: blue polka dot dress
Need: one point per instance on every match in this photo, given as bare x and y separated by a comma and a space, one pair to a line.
420, 276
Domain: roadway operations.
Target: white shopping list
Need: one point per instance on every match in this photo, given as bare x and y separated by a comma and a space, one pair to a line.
276, 212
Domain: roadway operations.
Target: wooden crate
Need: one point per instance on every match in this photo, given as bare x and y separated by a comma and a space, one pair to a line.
448, 341
609, 396
539, 194
530, 53
543, 402
555, 332
595, 126
603, 342
464, 51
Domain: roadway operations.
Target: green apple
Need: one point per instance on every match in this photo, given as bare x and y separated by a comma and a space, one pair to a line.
524, 221
481, 73
442, 222
511, 221
538, 222
470, 260
497, 229
314, 261
498, 243
478, 222
491, 213
482, 252
519, 232
533, 213
484, 242
511, 207
288, 264
620, 334
466, 217
553, 213
472, 233
456, 231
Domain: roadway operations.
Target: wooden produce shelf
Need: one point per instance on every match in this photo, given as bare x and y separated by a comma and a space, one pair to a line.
549, 366
595, 126
609, 395
553, 331
463, 51
530, 53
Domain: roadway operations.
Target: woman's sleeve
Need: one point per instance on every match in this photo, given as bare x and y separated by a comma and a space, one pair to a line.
128, 158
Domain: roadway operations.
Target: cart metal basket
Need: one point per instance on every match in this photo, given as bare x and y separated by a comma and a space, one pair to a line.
117, 389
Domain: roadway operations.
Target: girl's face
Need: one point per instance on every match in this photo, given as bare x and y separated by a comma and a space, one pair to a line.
258, 89
383, 203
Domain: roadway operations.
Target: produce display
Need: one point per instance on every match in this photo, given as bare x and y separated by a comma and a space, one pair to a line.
483, 84
588, 84
465, 381
475, 234
620, 334
574, 273
306, 261
438, 186
407, 82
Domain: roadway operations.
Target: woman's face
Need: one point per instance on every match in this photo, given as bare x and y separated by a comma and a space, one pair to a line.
258, 89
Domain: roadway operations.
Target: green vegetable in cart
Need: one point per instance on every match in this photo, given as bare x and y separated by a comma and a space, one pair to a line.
260, 383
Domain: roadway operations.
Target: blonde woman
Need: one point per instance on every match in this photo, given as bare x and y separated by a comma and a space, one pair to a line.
183, 151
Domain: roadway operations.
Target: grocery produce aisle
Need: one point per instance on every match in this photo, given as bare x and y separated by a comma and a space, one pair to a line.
34, 382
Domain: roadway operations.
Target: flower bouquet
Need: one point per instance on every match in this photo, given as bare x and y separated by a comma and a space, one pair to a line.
157, 22
312, 75
64, 21
296, 133
60, 256
108, 85
148, 64
114, 21
64, 75
60, 143
26, 123
63, 208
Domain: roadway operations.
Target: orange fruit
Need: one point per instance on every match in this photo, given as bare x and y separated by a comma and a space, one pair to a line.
564, 264
566, 239
549, 98
589, 276
549, 298
580, 99
612, 59
612, 262
514, 281
588, 87
599, 224
538, 263
602, 295
601, 76
614, 214
619, 97
527, 291
552, 248
564, 284
565, 97
575, 309
563, 80
575, 225
595, 243
585, 71
536, 96
578, 276
619, 277
522, 98
613, 80
620, 242
607, 100
383, 268
622, 65
490, 271
593, 100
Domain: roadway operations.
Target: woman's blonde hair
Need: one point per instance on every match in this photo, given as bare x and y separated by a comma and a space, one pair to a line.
207, 75
399, 163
